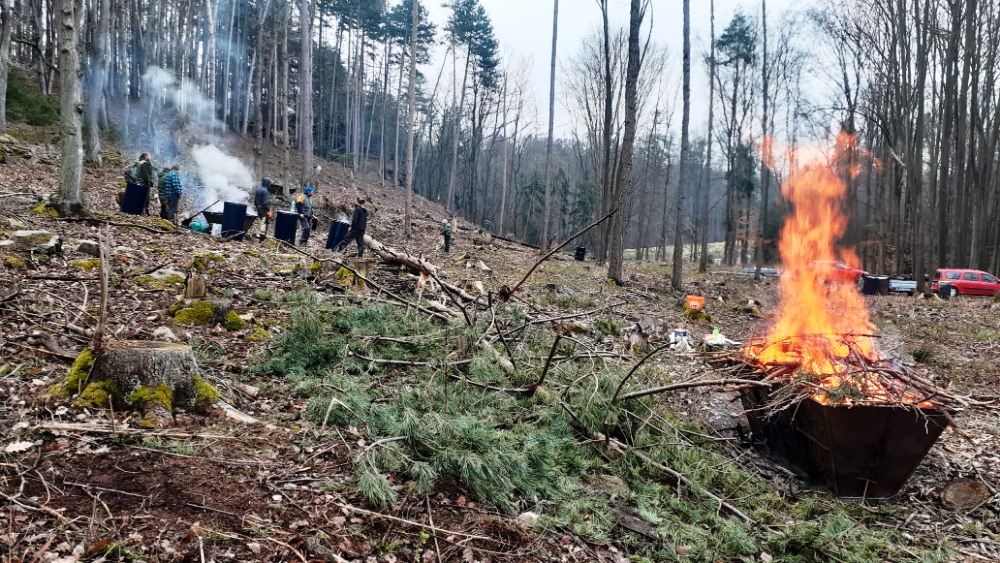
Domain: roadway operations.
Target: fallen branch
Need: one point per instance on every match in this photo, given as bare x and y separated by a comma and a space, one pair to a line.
693, 384
115, 224
444, 532
368, 281
507, 292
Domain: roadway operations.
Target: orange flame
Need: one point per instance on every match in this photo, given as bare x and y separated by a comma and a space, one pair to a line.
823, 331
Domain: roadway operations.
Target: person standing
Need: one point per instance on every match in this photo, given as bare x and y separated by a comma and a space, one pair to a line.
359, 224
304, 207
161, 191
146, 176
173, 191
446, 233
262, 203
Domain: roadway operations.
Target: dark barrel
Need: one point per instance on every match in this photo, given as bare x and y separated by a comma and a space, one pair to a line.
944, 290
875, 285
285, 225
234, 218
338, 231
134, 202
883, 285
581, 253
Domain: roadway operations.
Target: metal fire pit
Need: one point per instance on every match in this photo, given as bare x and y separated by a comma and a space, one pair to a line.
854, 451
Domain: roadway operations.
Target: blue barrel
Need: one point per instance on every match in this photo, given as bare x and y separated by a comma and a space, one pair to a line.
338, 232
234, 218
136, 196
285, 225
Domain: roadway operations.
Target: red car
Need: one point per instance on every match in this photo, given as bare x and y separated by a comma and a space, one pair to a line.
836, 271
966, 282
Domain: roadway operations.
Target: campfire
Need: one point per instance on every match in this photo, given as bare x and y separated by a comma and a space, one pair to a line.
834, 406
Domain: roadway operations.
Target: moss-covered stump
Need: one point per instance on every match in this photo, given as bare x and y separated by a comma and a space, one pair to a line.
151, 377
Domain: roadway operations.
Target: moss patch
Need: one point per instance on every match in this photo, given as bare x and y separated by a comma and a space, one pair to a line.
164, 224
162, 282
347, 277
316, 266
199, 313
87, 265
98, 395
696, 316
258, 335
203, 262
205, 394
77, 377
147, 397
46, 209
13, 262
234, 322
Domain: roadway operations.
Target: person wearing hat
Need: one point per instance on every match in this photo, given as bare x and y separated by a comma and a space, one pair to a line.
304, 207
359, 224
262, 203
446, 233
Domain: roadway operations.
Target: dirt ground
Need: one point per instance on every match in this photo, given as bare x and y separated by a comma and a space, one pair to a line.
81, 484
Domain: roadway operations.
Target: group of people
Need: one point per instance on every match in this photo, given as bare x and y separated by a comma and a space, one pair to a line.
169, 190
167, 183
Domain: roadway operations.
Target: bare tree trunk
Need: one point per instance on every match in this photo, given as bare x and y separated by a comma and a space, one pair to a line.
258, 96
706, 187
6, 25
678, 260
547, 216
765, 165
97, 82
607, 190
305, 121
208, 74
287, 135
68, 199
628, 141
503, 175
457, 129
411, 110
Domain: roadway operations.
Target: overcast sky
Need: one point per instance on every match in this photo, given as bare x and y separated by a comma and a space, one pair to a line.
524, 30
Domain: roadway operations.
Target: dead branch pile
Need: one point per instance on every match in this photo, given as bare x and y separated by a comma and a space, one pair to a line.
862, 381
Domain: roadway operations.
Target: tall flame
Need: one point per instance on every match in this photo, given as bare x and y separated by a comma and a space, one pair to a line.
824, 331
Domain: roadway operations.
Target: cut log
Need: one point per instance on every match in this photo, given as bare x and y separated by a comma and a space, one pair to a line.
414, 264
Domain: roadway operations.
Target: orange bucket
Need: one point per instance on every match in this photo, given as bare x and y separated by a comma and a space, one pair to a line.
695, 302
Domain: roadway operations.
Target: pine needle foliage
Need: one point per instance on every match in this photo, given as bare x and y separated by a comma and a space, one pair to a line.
426, 430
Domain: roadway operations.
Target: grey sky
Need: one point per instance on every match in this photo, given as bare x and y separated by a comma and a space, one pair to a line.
524, 30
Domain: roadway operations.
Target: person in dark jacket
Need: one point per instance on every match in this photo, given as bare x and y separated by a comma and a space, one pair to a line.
304, 207
446, 233
161, 187
172, 191
359, 224
262, 203
145, 176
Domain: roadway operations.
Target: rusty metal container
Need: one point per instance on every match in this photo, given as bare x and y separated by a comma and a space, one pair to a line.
853, 451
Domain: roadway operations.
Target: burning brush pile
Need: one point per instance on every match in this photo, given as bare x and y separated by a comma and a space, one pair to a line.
830, 402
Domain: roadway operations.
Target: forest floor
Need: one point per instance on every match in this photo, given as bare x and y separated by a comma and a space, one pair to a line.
383, 435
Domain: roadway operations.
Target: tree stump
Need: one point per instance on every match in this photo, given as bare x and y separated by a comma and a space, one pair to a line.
196, 288
152, 377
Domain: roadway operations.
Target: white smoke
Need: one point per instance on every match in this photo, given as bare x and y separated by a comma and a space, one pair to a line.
223, 176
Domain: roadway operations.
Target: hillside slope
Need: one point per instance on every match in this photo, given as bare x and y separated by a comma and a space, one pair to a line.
383, 433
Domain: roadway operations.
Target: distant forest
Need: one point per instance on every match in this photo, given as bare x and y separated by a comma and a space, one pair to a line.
915, 83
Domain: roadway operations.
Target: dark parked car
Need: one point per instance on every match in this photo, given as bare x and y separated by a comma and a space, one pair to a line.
966, 282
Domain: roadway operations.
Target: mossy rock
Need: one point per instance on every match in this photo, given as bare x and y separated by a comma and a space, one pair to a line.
316, 266
234, 322
199, 313
76, 379
99, 395
86, 265
13, 262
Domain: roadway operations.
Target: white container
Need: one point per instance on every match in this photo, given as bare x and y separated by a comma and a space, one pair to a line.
216, 230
